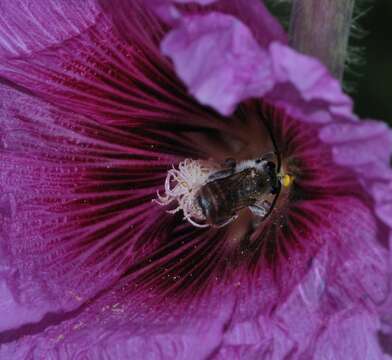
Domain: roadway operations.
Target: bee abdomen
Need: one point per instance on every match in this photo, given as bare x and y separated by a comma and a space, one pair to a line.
213, 202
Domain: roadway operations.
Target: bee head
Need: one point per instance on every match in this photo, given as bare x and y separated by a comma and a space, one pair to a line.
273, 178
261, 164
270, 166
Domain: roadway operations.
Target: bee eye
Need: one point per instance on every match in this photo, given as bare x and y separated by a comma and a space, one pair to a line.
270, 165
230, 162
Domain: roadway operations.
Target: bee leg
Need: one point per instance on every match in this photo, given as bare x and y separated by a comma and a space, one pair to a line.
260, 209
259, 214
225, 222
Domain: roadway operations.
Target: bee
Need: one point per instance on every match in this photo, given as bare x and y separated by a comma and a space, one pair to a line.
239, 185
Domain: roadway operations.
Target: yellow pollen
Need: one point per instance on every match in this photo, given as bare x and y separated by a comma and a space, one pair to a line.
286, 180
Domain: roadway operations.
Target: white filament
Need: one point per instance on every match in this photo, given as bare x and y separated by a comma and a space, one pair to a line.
182, 185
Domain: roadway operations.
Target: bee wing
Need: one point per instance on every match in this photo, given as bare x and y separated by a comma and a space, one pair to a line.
232, 186
220, 174
234, 180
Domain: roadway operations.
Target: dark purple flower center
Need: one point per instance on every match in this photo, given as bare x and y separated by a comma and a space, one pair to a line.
188, 259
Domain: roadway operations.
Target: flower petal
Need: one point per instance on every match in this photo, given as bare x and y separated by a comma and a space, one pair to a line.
366, 148
305, 88
385, 213
27, 26
306, 323
22, 300
250, 76
45, 153
359, 153
351, 142
264, 27
49, 185
351, 336
78, 338
382, 192
218, 46
227, 64
346, 132
83, 153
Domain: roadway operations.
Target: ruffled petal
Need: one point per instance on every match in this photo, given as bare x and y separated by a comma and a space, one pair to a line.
227, 64
241, 52
311, 321
366, 148
384, 211
111, 339
305, 88
27, 26
353, 154
352, 335
338, 133
382, 191
351, 142
22, 300
264, 27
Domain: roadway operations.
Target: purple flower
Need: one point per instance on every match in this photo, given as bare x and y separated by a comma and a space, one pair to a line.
99, 100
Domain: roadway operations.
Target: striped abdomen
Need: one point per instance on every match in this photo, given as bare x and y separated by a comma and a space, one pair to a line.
219, 200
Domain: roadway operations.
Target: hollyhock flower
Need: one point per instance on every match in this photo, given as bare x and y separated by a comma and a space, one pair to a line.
100, 101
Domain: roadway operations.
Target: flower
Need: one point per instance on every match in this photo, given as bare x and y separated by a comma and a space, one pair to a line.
94, 116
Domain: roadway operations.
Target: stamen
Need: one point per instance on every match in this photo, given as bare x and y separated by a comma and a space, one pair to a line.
182, 185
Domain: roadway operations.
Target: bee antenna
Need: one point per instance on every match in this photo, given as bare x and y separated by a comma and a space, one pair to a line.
277, 153
276, 150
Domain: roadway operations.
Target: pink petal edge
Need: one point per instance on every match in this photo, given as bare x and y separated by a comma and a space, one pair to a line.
227, 64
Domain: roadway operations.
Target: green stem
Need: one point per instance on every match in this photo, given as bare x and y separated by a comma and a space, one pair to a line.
321, 28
